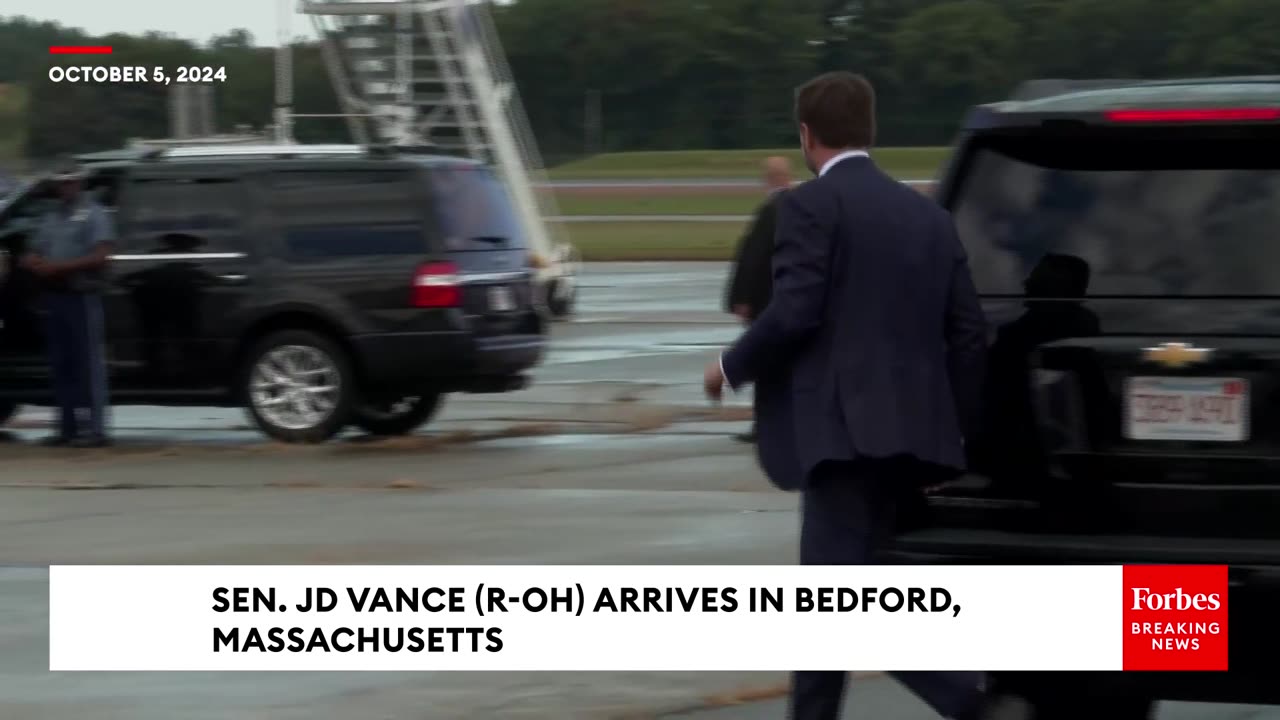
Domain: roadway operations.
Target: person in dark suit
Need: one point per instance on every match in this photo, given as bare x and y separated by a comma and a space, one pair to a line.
867, 364
751, 281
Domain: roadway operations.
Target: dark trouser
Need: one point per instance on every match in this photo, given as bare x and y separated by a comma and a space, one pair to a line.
1070, 696
74, 331
747, 323
848, 514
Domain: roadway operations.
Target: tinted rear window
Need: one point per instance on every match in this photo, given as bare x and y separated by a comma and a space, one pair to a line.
1151, 217
475, 210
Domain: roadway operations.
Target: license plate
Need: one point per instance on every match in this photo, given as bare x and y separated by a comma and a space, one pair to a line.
500, 299
1186, 408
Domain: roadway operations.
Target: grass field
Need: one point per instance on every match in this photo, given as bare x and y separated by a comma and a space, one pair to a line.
915, 163
660, 203
655, 241
674, 240
662, 200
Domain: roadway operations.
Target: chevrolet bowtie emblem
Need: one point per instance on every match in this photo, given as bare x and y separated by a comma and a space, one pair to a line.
1176, 355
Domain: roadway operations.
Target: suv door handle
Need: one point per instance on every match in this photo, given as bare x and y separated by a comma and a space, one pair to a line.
233, 278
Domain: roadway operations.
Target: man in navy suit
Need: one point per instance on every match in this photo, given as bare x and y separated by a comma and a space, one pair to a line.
867, 364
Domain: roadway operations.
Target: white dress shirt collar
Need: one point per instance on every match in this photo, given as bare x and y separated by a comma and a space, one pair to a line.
840, 158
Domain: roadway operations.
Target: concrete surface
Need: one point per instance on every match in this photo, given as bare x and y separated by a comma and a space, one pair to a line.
611, 457
648, 218
661, 184
880, 697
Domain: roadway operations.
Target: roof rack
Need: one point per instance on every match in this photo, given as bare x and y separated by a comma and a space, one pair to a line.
266, 150
157, 152
1037, 89
383, 150
1043, 88
109, 155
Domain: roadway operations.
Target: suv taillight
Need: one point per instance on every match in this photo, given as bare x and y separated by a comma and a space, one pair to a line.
1193, 115
435, 285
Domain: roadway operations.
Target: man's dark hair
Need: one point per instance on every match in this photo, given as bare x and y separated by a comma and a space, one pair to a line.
840, 110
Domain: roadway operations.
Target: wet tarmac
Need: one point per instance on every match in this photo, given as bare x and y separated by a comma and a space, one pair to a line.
648, 218
660, 183
611, 457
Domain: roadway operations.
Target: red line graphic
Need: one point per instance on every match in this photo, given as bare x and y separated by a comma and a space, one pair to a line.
80, 50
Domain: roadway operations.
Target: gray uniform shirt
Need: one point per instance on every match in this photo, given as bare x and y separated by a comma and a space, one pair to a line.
74, 232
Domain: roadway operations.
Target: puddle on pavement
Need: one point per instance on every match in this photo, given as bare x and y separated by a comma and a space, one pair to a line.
573, 357
603, 354
639, 428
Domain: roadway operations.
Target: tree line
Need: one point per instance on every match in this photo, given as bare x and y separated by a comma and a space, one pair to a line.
614, 75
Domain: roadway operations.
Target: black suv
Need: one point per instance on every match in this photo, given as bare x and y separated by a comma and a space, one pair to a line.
318, 286
1125, 237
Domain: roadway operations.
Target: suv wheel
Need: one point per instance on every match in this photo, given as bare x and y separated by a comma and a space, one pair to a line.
297, 386
398, 417
8, 409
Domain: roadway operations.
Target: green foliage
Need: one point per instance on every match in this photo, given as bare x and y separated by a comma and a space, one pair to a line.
908, 163
64, 118
651, 241
680, 74
13, 110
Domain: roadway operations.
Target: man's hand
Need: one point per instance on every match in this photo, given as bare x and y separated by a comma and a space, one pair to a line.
743, 311
713, 380
36, 265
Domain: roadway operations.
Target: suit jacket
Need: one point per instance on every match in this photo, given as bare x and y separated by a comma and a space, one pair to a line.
751, 282
874, 342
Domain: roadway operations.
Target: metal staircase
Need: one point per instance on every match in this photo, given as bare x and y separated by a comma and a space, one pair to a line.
433, 73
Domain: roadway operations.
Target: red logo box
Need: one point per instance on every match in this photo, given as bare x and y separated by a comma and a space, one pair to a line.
1175, 617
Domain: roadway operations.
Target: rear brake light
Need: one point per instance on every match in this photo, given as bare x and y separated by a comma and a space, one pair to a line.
436, 285
1194, 115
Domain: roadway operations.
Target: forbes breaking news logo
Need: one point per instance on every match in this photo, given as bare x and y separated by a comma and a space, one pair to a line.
1175, 617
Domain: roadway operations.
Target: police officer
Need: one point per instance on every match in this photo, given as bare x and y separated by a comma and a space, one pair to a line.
69, 255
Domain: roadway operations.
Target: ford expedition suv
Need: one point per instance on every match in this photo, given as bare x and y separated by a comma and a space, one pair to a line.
317, 286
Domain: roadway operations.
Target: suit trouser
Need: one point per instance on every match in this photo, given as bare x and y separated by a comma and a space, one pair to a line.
74, 332
747, 323
848, 514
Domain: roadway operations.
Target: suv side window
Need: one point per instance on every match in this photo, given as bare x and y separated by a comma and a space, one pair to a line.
184, 215
332, 214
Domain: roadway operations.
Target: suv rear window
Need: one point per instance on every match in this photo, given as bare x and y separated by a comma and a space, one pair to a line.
1173, 215
475, 210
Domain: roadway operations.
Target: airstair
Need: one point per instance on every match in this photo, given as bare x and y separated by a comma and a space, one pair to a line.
432, 73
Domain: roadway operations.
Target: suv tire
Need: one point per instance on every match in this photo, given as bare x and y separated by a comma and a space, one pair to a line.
376, 419
289, 368
8, 409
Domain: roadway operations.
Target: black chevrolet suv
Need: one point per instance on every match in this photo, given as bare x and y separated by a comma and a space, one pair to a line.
318, 286
1125, 238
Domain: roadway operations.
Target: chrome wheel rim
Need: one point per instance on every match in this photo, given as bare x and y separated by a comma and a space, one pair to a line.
295, 387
